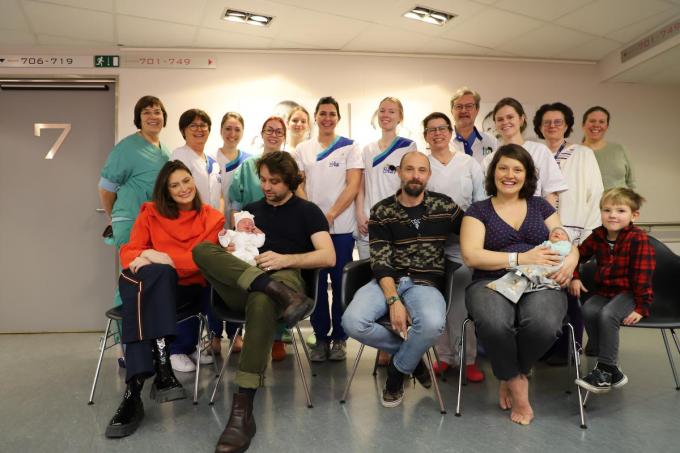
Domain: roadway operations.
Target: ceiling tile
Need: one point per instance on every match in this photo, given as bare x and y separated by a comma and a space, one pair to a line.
99, 5
16, 38
379, 38
545, 42
490, 28
593, 50
138, 32
184, 12
451, 47
606, 16
224, 39
544, 10
284, 17
56, 20
12, 18
284, 44
48, 40
627, 35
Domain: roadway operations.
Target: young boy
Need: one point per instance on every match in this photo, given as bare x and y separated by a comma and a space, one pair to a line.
625, 264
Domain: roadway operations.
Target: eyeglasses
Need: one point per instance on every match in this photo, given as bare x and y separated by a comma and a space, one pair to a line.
461, 107
197, 126
557, 122
432, 130
274, 132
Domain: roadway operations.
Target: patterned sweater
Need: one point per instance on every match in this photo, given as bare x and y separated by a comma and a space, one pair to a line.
398, 249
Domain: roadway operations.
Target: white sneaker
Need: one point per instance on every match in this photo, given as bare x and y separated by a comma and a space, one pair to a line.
182, 363
206, 357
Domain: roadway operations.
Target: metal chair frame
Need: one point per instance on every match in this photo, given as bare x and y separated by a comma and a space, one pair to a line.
313, 286
115, 314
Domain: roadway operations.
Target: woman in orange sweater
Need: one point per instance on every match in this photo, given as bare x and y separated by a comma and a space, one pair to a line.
159, 274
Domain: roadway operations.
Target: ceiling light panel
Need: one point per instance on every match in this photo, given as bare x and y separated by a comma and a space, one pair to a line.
428, 15
244, 17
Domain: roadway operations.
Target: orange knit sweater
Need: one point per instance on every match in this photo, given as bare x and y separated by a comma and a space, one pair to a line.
176, 237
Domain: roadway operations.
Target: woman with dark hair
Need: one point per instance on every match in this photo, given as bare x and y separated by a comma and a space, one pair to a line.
245, 189
612, 158
331, 166
510, 122
498, 233
578, 207
130, 171
159, 274
458, 175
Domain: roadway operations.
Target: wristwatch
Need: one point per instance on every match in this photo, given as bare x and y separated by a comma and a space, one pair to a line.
392, 299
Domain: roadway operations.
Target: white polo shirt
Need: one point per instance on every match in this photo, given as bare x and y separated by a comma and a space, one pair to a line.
326, 176
462, 180
550, 178
482, 144
380, 170
206, 173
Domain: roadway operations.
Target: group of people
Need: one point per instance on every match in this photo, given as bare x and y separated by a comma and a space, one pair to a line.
485, 203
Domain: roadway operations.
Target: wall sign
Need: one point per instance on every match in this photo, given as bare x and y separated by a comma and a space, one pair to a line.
168, 60
37, 127
45, 61
654, 39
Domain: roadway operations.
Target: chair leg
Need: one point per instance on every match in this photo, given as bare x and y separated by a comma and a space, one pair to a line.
102, 348
670, 356
351, 376
442, 373
461, 362
224, 365
442, 409
675, 339
302, 371
198, 360
208, 337
304, 348
577, 365
375, 364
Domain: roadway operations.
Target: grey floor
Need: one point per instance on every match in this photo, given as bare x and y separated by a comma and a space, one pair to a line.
45, 381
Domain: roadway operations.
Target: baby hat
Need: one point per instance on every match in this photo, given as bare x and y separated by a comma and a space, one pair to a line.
243, 215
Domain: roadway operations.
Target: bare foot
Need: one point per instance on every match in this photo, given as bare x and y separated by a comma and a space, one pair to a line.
522, 413
504, 396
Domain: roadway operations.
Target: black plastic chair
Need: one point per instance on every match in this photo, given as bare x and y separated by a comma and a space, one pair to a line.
223, 313
357, 274
184, 313
665, 310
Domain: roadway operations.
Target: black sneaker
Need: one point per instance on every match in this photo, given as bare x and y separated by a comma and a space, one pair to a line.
392, 398
618, 378
598, 381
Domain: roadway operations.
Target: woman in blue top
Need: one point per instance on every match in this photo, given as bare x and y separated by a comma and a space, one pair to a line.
501, 232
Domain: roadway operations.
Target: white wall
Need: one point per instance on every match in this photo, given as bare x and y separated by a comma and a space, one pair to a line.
643, 117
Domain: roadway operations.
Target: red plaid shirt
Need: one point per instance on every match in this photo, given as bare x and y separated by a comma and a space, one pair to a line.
627, 268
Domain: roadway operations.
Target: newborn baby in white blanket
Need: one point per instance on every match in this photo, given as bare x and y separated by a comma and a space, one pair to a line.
247, 238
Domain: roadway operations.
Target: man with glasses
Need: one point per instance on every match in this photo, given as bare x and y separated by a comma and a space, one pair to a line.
475, 143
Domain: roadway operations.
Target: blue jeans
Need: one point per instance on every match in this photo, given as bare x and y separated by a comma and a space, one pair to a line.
426, 306
321, 319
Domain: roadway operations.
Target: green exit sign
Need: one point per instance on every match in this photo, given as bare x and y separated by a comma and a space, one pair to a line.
106, 61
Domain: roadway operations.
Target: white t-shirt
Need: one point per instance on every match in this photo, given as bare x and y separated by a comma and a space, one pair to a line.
462, 180
380, 170
206, 173
550, 177
483, 144
326, 176
227, 170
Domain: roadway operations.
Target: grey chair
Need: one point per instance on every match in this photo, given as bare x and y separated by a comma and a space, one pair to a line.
665, 310
223, 313
184, 313
358, 273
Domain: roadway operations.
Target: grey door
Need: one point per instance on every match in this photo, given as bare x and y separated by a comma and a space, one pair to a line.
56, 273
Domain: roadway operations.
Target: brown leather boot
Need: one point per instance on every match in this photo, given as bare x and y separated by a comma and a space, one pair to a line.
240, 428
295, 305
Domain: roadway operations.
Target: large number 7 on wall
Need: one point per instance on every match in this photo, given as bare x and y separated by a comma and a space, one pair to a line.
37, 127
